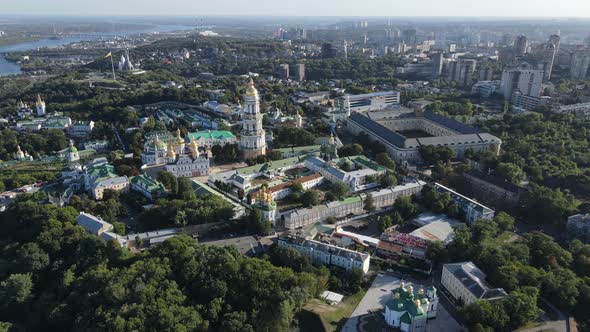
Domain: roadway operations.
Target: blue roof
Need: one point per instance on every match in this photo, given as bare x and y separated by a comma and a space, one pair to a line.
450, 123
378, 129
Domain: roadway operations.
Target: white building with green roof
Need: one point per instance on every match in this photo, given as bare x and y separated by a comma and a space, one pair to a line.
409, 310
100, 176
147, 186
209, 138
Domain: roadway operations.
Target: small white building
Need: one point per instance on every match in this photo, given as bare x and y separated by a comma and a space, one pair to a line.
466, 283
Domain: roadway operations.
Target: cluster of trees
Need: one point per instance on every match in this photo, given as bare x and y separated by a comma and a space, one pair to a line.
329, 278
552, 150
452, 108
441, 203
191, 210
55, 276
37, 145
527, 268
434, 154
226, 154
403, 209
291, 136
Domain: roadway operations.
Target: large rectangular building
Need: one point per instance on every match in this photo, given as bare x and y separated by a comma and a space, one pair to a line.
474, 211
404, 135
466, 283
327, 254
527, 81
369, 101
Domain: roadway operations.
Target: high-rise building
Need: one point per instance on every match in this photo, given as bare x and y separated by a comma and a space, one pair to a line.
485, 74
328, 50
300, 72
520, 45
555, 40
580, 63
546, 56
437, 63
284, 71
461, 71
345, 47
527, 81
253, 136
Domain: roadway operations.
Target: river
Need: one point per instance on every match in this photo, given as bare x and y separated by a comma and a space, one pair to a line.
11, 68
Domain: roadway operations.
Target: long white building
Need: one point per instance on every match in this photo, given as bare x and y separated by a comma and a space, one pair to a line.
369, 101
327, 254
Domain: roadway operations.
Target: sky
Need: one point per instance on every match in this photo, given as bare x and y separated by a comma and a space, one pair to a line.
449, 8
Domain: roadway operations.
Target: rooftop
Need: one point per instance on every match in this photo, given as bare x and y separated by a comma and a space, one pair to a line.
473, 279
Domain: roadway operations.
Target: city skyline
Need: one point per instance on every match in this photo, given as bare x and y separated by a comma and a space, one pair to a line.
376, 8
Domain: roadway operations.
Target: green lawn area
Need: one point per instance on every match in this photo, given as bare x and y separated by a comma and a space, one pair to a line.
332, 318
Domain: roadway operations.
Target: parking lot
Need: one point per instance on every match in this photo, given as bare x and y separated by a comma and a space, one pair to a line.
380, 292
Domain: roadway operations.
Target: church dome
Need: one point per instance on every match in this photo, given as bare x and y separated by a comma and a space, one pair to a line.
251, 90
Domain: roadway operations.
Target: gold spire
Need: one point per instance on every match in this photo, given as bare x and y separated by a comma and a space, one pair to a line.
251, 90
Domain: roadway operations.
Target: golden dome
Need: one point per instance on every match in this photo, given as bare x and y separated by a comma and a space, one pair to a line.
194, 147
179, 140
251, 90
171, 153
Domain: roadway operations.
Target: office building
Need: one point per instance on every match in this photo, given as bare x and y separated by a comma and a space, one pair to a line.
437, 64
579, 64
368, 102
527, 81
555, 40
300, 72
485, 88
520, 46
466, 283
546, 55
461, 72
485, 74
521, 102
284, 71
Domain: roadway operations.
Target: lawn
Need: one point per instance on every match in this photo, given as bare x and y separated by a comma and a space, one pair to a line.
332, 318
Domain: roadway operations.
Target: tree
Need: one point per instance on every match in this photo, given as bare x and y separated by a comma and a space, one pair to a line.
406, 208
339, 190
17, 288
310, 198
369, 203
119, 228
504, 220
510, 172
521, 306
350, 150
388, 180
185, 189
384, 223
297, 187
384, 160
547, 205
169, 181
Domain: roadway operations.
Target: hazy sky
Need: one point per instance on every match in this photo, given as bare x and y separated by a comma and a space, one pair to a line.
545, 8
